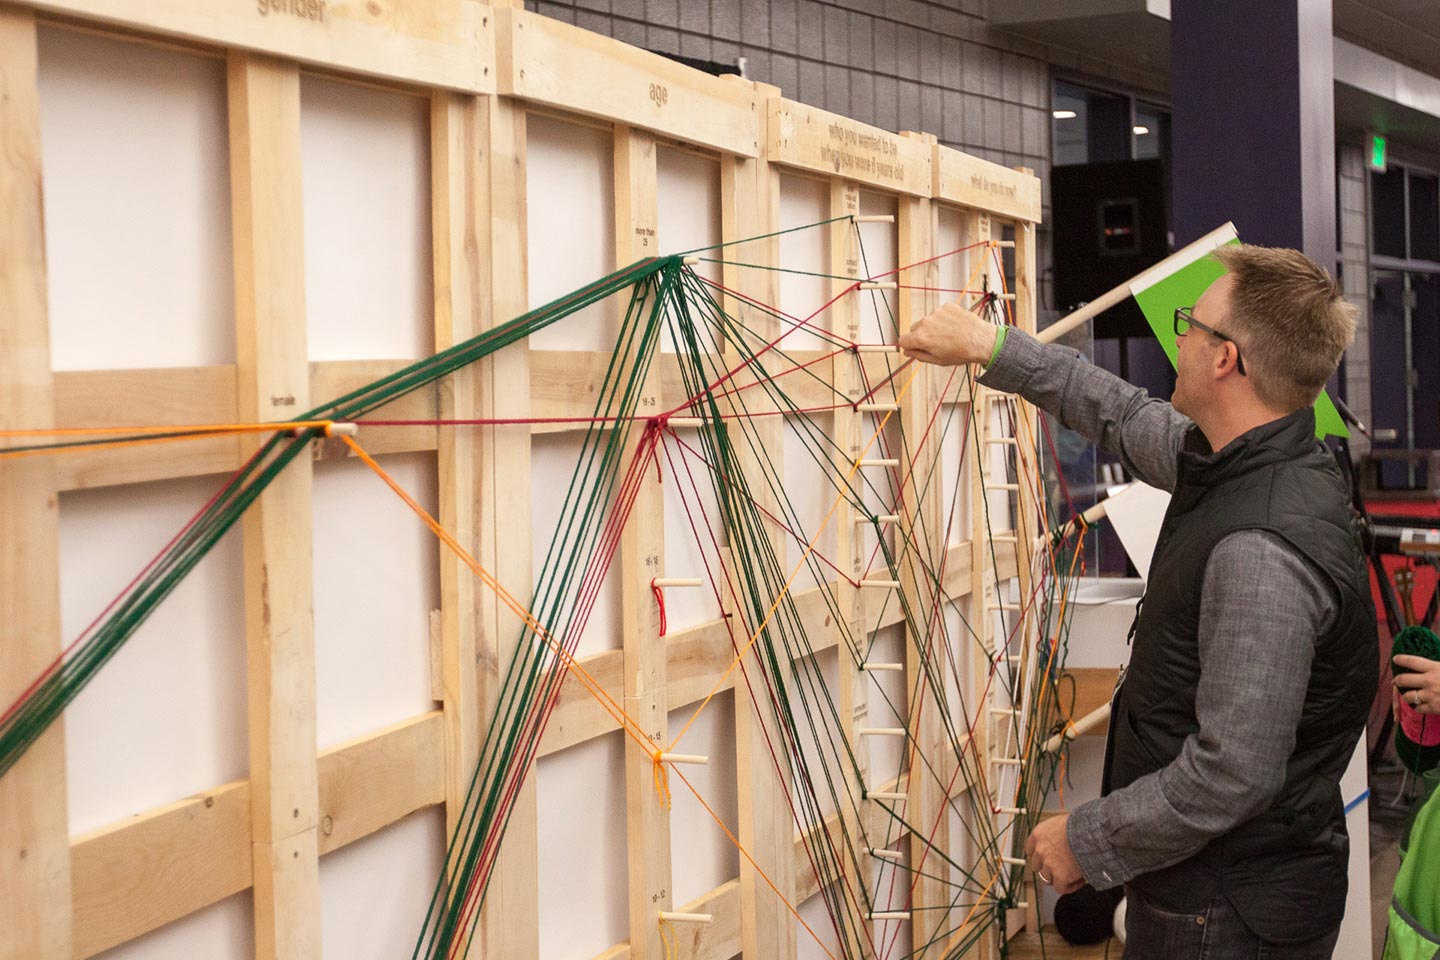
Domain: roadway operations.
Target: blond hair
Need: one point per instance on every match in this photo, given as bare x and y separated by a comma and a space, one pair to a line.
1291, 318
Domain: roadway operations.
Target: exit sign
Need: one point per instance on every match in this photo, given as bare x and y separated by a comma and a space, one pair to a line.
1378, 149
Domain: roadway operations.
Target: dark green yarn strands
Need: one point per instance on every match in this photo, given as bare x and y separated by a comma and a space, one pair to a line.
51, 695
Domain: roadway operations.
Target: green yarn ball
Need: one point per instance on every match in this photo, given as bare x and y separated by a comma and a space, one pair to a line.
1417, 757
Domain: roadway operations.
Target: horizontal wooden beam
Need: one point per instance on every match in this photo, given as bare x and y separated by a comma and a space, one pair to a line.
546, 61
808, 138
444, 43
184, 396
146, 871
972, 182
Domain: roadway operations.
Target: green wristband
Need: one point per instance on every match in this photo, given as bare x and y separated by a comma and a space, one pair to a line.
999, 342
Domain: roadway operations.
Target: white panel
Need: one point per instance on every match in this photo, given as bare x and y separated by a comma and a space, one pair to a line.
688, 199
890, 883
376, 581
365, 159
878, 252
583, 872
166, 717
221, 931
804, 202
880, 486
701, 856
821, 742
964, 708
552, 464
137, 204
693, 532
889, 705
949, 238
811, 496
570, 205
819, 942
954, 426
374, 892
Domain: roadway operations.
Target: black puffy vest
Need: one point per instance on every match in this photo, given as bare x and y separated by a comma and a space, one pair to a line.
1285, 870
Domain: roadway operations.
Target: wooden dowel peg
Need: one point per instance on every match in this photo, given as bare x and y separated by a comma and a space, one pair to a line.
1007, 761
342, 429
687, 422
1013, 861
876, 218
891, 915
877, 348
878, 285
690, 261
1002, 486
877, 407
684, 758
882, 462
1003, 244
882, 732
885, 795
1086, 723
886, 584
1008, 441
886, 854
678, 582
873, 667
672, 917
1013, 811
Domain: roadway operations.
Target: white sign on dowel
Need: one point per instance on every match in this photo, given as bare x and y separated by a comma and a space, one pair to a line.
1136, 511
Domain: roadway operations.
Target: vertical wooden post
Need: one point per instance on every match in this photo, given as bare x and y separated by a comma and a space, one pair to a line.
510, 919
1027, 520
273, 383
34, 831
642, 552
982, 589
750, 205
921, 508
848, 435
457, 188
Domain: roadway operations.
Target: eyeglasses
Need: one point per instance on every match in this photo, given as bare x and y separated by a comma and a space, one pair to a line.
1185, 319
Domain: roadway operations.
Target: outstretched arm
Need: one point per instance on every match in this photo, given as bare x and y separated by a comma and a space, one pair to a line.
1144, 433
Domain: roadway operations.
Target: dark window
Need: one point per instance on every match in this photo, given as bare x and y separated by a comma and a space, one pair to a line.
1424, 217
1089, 126
1387, 211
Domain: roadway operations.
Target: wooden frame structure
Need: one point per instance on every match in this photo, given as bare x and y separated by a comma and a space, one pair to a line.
482, 67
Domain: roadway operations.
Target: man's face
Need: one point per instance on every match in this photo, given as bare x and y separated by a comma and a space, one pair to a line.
1195, 351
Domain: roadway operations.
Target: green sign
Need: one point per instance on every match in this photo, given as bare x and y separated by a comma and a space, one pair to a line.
1378, 147
1181, 289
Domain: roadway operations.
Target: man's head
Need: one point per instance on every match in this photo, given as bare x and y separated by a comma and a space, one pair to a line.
1288, 319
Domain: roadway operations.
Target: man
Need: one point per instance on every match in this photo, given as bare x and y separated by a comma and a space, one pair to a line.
1254, 656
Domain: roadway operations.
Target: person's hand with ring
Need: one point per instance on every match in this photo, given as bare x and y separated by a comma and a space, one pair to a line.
1419, 686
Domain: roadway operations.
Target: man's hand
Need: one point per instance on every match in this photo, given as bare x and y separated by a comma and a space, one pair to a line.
1049, 854
949, 336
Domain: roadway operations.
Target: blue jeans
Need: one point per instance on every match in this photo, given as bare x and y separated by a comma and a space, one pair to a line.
1152, 933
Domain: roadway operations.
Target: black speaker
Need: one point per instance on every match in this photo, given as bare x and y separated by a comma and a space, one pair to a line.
1109, 224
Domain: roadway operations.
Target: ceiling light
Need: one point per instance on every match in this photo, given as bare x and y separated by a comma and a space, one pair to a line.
1140, 131
1063, 114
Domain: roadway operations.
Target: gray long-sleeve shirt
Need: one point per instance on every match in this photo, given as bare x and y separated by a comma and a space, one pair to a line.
1262, 608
